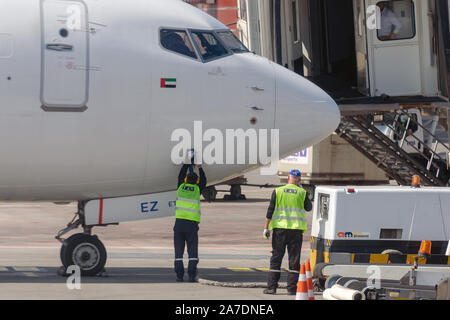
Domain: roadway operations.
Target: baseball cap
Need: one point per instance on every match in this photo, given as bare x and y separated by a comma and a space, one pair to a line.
295, 173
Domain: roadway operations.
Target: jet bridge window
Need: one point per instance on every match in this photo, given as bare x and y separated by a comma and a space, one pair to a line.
178, 41
208, 45
397, 20
232, 42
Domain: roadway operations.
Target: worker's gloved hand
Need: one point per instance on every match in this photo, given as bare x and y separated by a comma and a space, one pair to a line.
191, 154
266, 234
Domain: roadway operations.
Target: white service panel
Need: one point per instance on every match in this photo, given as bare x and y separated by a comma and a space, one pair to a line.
65, 54
115, 210
397, 70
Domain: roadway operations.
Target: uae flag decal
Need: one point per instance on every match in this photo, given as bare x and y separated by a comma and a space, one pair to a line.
168, 83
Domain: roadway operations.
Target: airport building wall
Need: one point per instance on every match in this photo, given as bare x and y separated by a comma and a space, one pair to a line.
226, 11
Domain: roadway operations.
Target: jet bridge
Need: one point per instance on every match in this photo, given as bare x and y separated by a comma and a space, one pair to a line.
400, 150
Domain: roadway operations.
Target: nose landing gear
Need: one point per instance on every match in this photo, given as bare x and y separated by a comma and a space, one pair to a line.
81, 249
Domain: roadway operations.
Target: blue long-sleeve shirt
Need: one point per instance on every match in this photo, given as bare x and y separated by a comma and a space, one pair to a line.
183, 173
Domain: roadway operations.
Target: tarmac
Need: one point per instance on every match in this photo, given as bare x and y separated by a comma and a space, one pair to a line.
141, 255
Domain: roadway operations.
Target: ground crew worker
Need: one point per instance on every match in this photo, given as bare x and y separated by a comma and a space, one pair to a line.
187, 214
286, 216
390, 25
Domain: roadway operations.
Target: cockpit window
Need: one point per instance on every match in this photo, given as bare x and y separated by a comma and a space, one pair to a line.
209, 46
232, 42
178, 41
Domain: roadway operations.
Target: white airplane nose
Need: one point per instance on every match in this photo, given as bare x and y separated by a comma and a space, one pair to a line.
305, 114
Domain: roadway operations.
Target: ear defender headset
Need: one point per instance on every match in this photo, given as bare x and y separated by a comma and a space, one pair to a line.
197, 182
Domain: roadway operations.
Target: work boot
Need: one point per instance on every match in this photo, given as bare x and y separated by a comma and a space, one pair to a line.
193, 279
270, 291
180, 279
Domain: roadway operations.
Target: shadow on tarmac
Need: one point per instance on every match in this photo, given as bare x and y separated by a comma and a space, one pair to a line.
238, 201
132, 275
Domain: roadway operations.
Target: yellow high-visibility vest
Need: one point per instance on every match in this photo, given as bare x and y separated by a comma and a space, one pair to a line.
289, 210
188, 203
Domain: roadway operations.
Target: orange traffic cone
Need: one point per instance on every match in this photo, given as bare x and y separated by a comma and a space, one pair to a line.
302, 287
309, 281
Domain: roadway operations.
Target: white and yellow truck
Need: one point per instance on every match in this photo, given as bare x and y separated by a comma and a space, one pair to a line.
379, 224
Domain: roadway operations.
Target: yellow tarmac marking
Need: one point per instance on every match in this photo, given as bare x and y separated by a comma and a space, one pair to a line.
240, 269
263, 269
25, 269
3, 269
30, 274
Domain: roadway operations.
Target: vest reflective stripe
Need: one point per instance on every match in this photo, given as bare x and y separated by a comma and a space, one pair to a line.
188, 203
188, 210
289, 210
289, 218
188, 200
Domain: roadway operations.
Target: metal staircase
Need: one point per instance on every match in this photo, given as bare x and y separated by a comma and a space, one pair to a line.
389, 154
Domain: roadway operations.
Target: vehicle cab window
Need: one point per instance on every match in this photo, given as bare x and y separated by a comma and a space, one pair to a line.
177, 41
232, 42
397, 18
208, 45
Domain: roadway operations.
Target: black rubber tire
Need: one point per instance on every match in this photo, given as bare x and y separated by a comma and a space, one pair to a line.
62, 252
91, 241
210, 194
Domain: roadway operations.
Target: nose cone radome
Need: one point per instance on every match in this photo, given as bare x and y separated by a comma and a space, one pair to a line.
305, 114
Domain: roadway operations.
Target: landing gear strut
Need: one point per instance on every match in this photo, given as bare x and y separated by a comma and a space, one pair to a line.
82, 249
235, 193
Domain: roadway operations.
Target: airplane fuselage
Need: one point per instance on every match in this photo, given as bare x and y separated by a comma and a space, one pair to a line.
84, 113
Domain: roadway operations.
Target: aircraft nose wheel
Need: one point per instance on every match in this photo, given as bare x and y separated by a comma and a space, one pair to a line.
85, 251
86, 256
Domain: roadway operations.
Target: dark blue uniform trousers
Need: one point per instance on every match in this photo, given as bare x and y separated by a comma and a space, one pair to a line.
282, 238
181, 238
